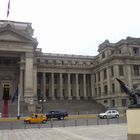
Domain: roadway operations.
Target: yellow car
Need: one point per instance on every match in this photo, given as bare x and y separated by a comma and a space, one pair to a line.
36, 118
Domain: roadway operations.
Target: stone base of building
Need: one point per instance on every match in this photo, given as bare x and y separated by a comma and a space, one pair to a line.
32, 108
133, 122
133, 136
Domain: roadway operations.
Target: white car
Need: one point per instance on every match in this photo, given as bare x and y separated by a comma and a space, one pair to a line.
109, 114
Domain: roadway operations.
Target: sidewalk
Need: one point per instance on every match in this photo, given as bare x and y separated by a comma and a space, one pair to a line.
100, 132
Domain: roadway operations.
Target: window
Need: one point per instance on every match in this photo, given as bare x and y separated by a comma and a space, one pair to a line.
105, 101
103, 55
98, 76
105, 89
99, 91
121, 73
124, 102
113, 88
113, 103
136, 51
95, 91
136, 70
112, 71
105, 74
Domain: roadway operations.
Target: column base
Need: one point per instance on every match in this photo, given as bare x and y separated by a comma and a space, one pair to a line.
85, 97
78, 98
61, 98
53, 98
69, 98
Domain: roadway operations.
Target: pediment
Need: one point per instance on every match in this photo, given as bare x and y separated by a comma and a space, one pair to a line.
13, 36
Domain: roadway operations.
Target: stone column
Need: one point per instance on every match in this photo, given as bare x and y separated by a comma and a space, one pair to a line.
28, 75
44, 84
84, 86
35, 81
116, 74
92, 86
102, 85
77, 87
128, 75
108, 81
28, 83
52, 86
21, 82
69, 87
61, 86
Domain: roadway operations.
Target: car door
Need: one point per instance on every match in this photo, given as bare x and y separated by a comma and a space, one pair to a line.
109, 114
113, 113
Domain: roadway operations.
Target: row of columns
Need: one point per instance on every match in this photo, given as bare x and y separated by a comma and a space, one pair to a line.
69, 87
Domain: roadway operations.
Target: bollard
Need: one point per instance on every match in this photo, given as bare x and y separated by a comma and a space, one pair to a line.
11, 124
25, 125
87, 122
39, 125
63, 123
97, 118
107, 120
51, 123
75, 122
118, 120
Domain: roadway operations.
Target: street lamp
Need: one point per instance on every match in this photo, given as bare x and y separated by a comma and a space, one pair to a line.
42, 101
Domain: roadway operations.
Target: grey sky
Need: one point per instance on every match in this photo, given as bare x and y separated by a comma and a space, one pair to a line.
76, 26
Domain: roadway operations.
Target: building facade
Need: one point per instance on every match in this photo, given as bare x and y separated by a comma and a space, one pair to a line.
61, 76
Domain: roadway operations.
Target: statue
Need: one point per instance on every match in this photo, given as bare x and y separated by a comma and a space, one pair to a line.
133, 93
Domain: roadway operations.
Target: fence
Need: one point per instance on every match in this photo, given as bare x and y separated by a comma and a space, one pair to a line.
19, 124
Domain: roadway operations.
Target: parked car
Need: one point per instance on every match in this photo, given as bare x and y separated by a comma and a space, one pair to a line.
60, 115
109, 114
36, 118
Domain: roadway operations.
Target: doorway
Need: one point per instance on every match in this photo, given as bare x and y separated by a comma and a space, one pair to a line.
6, 95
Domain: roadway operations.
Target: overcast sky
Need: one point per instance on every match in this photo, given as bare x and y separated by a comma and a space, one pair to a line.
76, 26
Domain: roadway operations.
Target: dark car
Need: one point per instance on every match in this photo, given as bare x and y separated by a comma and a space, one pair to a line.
60, 115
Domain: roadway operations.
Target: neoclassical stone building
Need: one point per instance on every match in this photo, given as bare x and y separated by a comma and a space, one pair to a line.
63, 76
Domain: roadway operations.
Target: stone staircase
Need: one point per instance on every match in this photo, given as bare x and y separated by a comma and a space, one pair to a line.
74, 106
71, 106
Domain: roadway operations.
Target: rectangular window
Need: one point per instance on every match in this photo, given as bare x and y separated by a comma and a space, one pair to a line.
99, 91
136, 70
113, 88
112, 71
136, 51
124, 102
95, 91
105, 74
105, 90
103, 55
121, 72
98, 76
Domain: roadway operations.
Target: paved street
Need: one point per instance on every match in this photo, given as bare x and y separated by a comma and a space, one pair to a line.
96, 132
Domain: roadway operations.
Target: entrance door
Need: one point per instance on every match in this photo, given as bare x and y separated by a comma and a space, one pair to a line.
6, 97
6, 93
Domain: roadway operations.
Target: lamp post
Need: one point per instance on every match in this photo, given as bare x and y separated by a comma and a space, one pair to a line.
42, 101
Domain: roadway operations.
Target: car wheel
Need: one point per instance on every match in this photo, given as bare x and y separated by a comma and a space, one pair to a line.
27, 122
117, 116
43, 121
62, 118
104, 117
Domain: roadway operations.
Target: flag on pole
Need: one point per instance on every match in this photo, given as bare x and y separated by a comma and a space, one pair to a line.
8, 8
15, 96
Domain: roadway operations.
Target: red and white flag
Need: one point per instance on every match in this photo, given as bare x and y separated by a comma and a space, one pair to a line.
8, 8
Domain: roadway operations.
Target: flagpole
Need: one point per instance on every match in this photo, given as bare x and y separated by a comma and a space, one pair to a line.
18, 109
